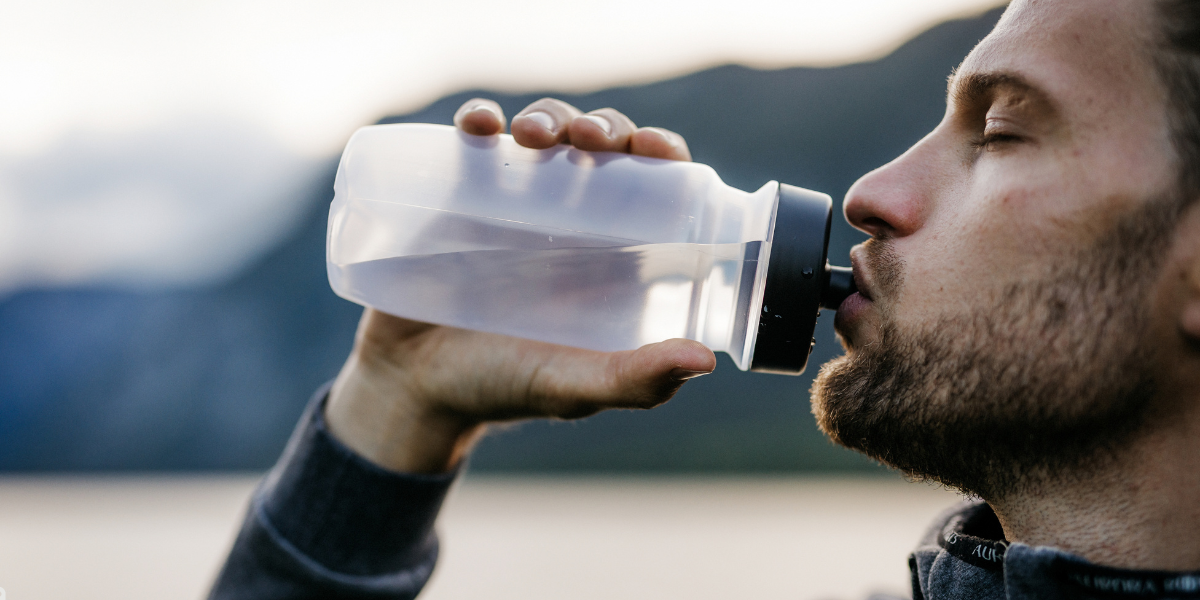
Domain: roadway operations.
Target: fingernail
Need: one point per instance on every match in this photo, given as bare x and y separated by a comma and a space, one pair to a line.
542, 119
602, 123
486, 107
685, 374
666, 137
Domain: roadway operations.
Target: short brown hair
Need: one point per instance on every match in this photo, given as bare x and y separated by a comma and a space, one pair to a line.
1178, 61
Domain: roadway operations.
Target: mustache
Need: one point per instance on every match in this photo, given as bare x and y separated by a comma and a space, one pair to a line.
885, 266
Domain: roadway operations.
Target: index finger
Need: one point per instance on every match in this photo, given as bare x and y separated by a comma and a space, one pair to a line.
480, 116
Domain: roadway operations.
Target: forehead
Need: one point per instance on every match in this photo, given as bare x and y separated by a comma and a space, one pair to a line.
1093, 62
1091, 56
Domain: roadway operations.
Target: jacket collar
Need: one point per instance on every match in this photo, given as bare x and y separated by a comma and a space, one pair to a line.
965, 555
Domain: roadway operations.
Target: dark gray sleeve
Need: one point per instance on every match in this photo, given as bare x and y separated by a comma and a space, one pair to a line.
325, 523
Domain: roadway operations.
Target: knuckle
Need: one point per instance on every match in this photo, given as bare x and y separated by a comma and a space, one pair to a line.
550, 105
571, 411
618, 118
653, 398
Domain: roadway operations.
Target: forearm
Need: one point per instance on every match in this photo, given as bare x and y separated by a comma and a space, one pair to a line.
326, 523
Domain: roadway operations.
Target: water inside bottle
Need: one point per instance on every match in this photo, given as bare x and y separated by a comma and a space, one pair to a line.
607, 298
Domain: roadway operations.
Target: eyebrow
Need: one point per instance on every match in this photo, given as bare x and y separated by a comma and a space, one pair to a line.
972, 88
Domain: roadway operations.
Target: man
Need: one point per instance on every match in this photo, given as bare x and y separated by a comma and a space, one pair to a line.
1027, 330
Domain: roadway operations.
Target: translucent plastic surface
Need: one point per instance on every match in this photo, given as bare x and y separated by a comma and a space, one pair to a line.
596, 250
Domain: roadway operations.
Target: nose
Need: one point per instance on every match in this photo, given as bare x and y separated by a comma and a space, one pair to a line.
893, 199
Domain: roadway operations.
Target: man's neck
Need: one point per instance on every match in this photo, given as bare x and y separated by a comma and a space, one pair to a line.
1142, 513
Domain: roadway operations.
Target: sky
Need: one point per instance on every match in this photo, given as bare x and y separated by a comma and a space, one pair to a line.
151, 143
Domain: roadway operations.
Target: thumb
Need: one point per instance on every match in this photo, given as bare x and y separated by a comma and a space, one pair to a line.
641, 378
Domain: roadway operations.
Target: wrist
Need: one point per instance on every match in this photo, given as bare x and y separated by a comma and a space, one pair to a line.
373, 411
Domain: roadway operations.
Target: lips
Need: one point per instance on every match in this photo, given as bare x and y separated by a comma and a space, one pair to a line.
860, 301
861, 279
858, 283
852, 305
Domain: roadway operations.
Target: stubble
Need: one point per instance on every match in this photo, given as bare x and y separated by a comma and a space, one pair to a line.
1048, 380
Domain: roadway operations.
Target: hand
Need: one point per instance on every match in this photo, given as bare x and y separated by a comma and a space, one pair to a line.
548, 122
415, 397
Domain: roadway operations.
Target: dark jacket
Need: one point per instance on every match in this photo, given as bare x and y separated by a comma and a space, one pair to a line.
325, 523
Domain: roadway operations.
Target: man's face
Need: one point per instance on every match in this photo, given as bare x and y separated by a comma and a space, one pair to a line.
1005, 298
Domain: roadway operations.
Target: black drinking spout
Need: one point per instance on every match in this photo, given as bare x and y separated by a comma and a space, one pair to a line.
839, 284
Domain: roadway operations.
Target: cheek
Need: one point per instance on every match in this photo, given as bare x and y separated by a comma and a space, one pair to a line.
980, 240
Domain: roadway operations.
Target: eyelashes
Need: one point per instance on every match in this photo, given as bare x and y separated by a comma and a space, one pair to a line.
995, 133
994, 140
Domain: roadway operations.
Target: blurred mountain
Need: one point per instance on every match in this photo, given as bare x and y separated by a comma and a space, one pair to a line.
214, 378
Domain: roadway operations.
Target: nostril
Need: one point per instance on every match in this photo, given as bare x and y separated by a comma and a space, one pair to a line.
876, 223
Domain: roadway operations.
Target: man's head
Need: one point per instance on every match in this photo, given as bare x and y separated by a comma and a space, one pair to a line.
1036, 257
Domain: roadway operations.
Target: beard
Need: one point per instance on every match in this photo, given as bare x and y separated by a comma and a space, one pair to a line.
1048, 380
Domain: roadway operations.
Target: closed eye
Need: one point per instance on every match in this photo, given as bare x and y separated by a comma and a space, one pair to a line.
994, 141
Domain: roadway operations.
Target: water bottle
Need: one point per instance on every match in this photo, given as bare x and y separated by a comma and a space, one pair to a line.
598, 250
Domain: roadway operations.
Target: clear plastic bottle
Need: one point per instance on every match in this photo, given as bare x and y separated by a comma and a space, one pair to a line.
597, 250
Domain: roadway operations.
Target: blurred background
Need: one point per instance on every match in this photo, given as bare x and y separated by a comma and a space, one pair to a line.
166, 169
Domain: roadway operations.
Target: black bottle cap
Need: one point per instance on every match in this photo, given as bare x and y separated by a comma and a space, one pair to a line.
796, 281
839, 284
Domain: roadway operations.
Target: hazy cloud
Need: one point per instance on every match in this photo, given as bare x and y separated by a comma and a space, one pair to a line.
177, 204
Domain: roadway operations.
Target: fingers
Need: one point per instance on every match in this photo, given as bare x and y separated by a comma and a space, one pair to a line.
549, 121
608, 130
642, 378
650, 375
480, 116
544, 123
656, 142
604, 130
